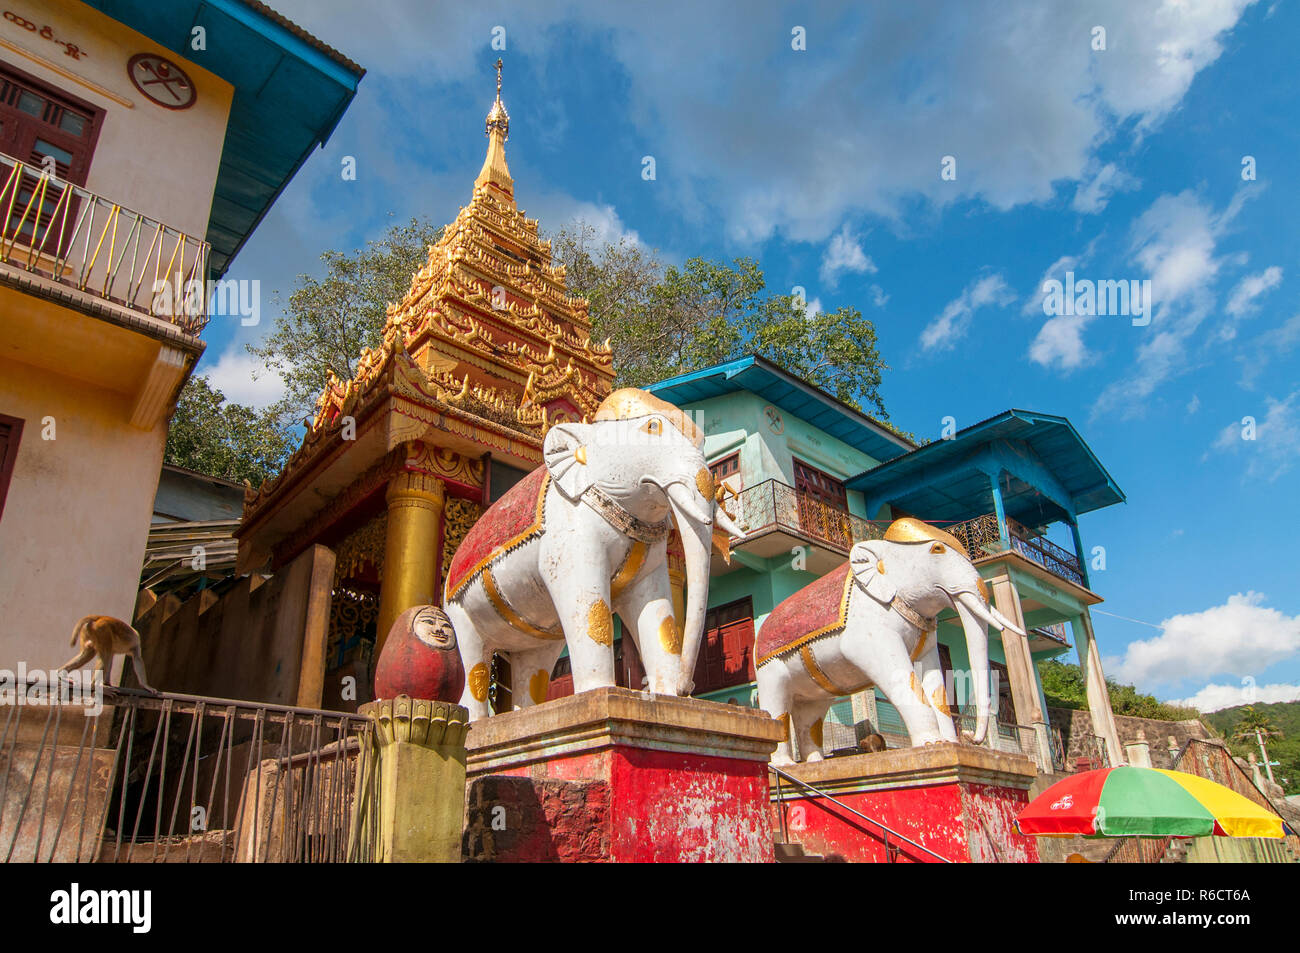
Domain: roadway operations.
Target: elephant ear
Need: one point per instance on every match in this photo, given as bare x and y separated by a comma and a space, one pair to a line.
565, 452
870, 569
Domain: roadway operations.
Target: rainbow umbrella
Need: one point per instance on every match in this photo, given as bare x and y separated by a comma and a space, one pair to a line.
1144, 802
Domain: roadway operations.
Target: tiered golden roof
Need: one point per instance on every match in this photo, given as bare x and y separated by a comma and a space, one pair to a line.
487, 335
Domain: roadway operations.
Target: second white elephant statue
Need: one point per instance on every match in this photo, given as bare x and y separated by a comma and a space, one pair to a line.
872, 622
585, 537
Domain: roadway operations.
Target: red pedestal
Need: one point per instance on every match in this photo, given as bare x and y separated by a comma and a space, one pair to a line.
617, 775
957, 801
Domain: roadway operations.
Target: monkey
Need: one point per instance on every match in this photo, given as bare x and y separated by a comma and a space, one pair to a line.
105, 636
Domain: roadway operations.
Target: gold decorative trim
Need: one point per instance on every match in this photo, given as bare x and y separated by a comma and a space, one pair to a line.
823, 681
478, 681
816, 633
816, 731
538, 523
600, 623
503, 609
670, 637
627, 572
418, 721
538, 686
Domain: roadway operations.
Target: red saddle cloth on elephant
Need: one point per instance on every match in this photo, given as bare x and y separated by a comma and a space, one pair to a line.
817, 609
509, 522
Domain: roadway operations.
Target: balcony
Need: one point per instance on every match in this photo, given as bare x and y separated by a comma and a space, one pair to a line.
776, 518
67, 235
983, 536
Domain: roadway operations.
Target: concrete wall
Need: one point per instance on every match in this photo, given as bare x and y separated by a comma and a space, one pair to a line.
75, 523
261, 641
161, 162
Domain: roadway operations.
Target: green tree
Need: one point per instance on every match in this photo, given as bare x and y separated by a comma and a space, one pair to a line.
668, 320
1064, 687
327, 321
224, 439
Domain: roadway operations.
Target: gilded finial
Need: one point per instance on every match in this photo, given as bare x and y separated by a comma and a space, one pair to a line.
498, 118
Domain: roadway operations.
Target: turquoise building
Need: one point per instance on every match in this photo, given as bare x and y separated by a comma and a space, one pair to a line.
811, 476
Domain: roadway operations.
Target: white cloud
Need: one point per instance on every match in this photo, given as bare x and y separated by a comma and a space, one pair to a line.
1268, 347
845, 254
1242, 299
729, 115
1174, 245
878, 296
1275, 446
1240, 637
1194, 404
951, 324
812, 308
1213, 697
243, 379
1094, 192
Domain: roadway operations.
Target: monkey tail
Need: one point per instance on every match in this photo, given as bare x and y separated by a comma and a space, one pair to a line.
79, 628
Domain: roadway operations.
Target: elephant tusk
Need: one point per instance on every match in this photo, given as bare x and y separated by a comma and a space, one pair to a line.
987, 614
725, 523
1003, 622
681, 498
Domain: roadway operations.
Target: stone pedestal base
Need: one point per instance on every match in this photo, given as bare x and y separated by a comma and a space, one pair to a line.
619, 775
958, 801
420, 754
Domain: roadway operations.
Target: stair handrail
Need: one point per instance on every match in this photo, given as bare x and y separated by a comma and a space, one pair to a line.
834, 800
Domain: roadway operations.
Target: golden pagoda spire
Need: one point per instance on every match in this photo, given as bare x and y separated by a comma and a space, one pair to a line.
495, 171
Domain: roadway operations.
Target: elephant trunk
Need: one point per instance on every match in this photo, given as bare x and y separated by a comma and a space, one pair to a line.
977, 648
695, 526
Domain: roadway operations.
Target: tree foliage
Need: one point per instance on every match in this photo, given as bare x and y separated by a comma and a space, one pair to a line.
1282, 719
327, 321
224, 439
666, 320
1064, 687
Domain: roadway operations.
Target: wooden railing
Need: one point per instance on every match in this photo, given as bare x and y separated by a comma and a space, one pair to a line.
981, 537
776, 505
70, 235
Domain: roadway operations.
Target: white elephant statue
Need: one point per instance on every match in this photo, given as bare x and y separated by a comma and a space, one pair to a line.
872, 622
584, 537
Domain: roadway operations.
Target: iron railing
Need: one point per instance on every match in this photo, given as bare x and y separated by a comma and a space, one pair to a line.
982, 537
72, 236
181, 778
885, 831
776, 505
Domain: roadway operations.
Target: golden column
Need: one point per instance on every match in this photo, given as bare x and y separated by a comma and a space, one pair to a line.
415, 503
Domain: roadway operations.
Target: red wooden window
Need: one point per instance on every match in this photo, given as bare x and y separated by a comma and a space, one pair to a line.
38, 121
727, 466
11, 430
628, 672
820, 485
727, 654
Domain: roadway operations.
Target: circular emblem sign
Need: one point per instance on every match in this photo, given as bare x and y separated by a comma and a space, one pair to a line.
161, 80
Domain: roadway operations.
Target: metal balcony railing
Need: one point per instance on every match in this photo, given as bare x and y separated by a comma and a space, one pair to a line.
776, 505
981, 536
72, 236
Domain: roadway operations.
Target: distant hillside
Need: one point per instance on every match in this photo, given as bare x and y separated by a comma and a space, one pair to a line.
1285, 716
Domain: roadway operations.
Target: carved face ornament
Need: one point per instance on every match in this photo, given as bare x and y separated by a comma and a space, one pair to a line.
432, 627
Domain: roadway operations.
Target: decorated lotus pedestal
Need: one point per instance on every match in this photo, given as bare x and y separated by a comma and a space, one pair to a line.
411, 788
617, 775
953, 802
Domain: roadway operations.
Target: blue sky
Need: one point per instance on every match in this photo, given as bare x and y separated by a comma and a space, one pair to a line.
825, 165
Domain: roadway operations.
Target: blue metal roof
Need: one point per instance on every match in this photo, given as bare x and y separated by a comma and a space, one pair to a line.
1046, 472
792, 395
290, 92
